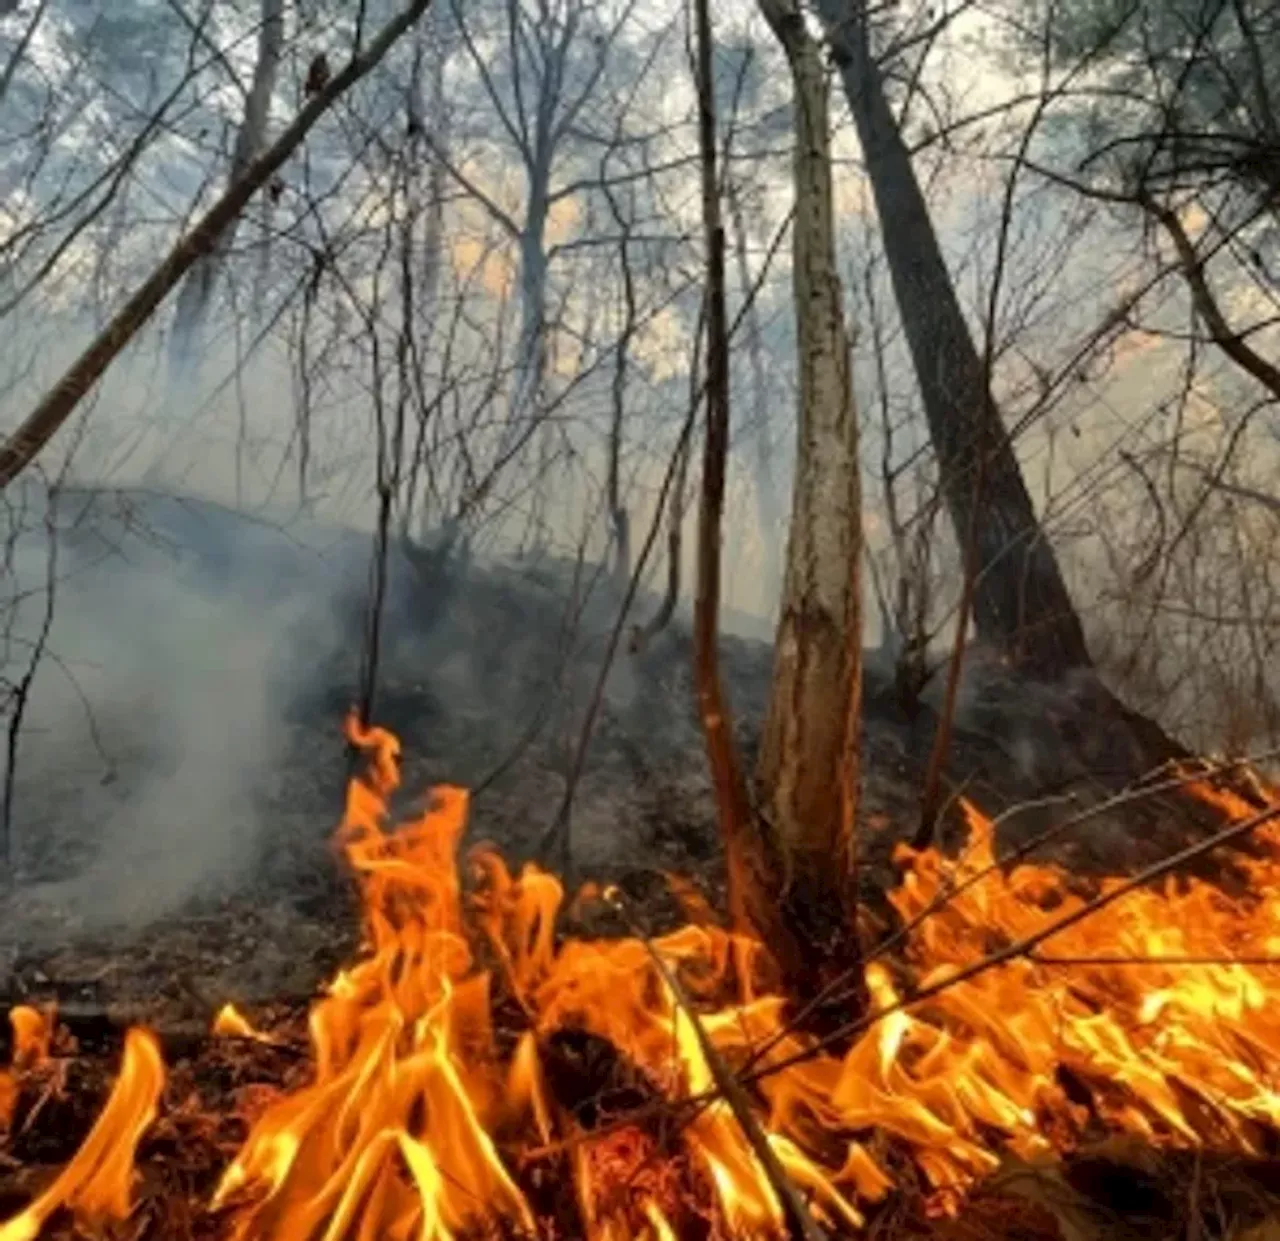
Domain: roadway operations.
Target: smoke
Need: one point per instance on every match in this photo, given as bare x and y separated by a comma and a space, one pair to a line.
155, 715
195, 652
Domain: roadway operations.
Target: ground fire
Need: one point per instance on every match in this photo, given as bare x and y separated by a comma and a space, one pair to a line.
436, 1104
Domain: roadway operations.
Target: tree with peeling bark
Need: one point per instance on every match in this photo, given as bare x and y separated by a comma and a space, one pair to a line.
808, 769
792, 868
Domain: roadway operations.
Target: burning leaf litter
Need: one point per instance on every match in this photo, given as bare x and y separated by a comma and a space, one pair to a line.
1156, 1017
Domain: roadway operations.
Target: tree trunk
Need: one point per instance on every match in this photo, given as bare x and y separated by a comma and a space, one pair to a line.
751, 889
618, 516
197, 289
810, 748
531, 349
528, 403
1021, 603
642, 635
430, 130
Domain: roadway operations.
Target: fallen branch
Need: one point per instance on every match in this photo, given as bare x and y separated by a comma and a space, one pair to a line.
1124, 798
103, 1027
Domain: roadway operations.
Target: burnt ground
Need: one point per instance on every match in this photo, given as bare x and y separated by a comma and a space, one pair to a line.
487, 685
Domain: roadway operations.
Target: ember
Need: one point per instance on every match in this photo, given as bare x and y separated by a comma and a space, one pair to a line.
421, 1119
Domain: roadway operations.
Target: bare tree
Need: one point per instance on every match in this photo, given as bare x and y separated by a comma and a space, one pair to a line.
751, 903
1021, 601
619, 518
539, 71
52, 411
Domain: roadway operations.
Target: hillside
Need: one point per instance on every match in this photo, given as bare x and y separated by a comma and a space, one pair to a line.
198, 807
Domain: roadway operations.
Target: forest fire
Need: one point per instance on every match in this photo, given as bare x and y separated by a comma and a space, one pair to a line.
437, 1107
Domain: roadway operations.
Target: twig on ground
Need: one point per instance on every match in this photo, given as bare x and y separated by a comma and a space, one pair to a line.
1025, 947
832, 994
1135, 793
102, 1026
1255, 959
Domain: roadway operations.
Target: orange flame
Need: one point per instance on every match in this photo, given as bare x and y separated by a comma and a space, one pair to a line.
230, 1022
32, 1034
96, 1185
1156, 1016
394, 1131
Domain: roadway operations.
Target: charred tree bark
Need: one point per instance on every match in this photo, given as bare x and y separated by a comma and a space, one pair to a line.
810, 748
1021, 602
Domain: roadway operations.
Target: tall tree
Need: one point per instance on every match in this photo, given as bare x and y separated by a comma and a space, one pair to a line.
539, 67
769, 507
759, 118
748, 900
1201, 139
809, 756
197, 289
1021, 602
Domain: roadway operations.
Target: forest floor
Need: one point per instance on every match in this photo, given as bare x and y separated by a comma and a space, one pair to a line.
485, 691
491, 697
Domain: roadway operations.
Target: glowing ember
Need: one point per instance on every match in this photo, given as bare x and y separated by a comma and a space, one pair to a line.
423, 1120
